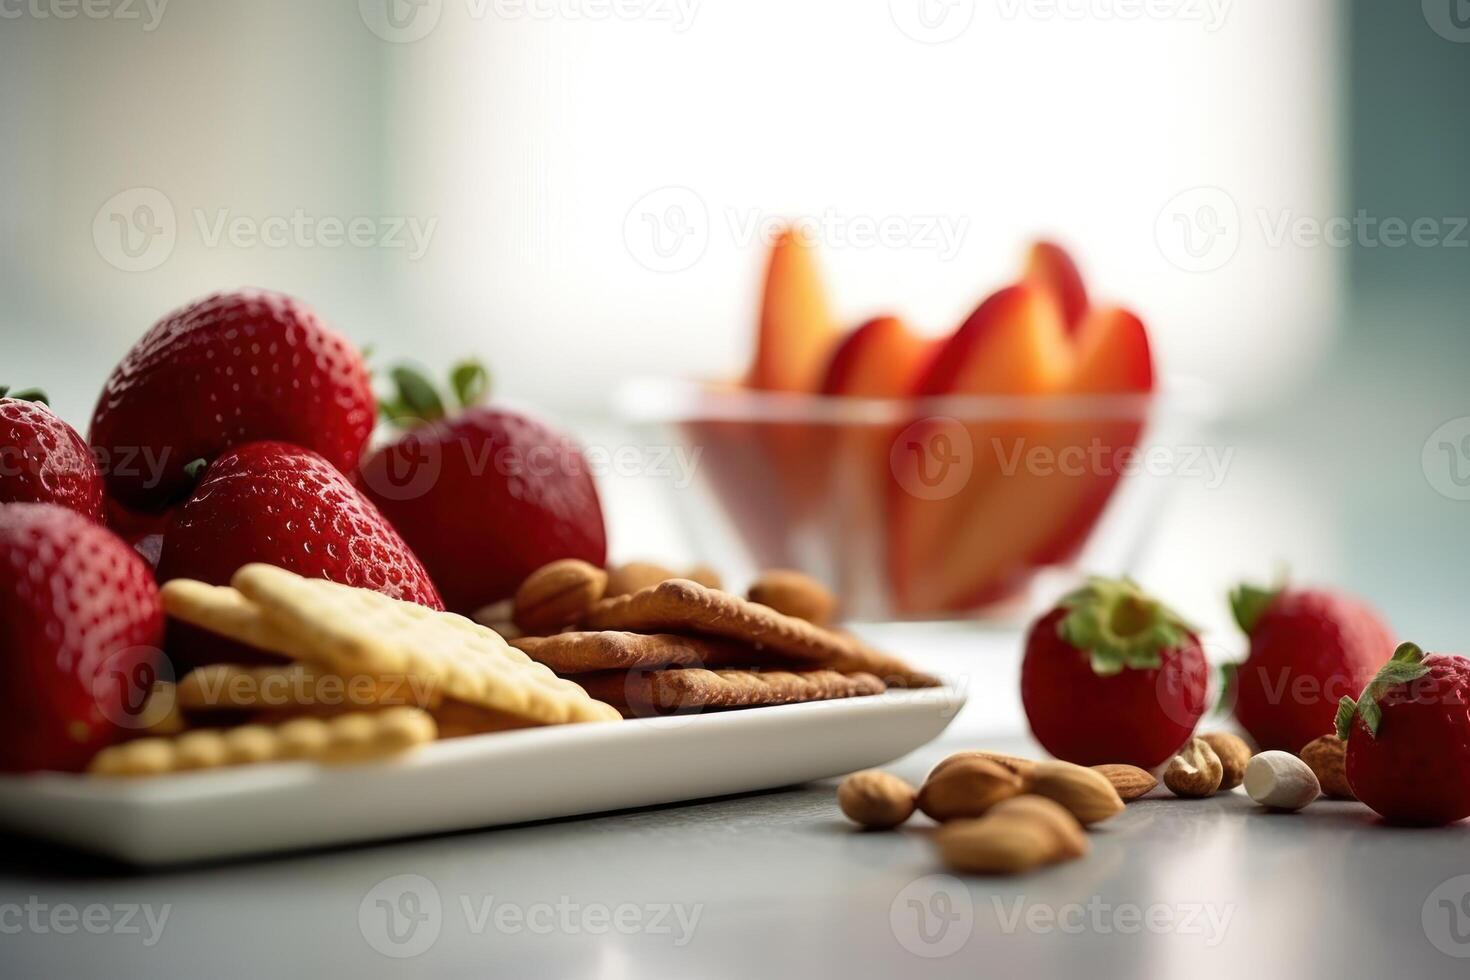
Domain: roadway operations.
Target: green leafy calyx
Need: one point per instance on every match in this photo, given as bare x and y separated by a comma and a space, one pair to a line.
25, 395
1249, 604
1405, 667
1120, 626
415, 399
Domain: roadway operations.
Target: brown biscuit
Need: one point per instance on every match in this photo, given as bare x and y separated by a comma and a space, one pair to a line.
642, 693
581, 653
682, 606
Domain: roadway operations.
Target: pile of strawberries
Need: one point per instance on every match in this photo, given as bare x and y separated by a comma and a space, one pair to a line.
236, 431
1113, 675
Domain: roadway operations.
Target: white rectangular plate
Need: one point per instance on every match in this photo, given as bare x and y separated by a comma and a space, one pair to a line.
479, 781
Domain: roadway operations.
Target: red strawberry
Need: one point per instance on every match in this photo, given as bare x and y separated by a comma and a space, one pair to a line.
486, 496
1408, 738
229, 369
43, 460
1309, 649
283, 505
1113, 675
79, 625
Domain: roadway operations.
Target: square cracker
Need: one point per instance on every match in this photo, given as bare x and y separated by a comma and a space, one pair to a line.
682, 606
350, 631
641, 693
223, 610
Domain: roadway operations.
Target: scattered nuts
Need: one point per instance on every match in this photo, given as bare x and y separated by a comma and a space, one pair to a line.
794, 594
1086, 793
1017, 836
557, 595
1233, 754
1195, 772
1131, 782
635, 576
1327, 758
875, 799
967, 788
1281, 781
1021, 767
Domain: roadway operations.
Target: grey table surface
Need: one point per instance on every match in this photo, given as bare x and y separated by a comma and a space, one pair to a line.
777, 884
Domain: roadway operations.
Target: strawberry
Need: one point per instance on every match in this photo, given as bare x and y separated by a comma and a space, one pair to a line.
1308, 649
283, 505
1113, 675
485, 496
1408, 738
226, 370
79, 624
43, 460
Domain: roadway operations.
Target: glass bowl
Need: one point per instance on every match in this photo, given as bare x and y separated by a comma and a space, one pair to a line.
944, 508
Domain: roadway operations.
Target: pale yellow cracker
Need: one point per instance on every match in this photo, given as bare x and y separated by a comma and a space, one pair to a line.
357, 631
352, 737
221, 609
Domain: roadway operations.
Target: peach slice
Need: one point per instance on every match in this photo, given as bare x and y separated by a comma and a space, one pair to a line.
880, 359
796, 327
1015, 343
1049, 266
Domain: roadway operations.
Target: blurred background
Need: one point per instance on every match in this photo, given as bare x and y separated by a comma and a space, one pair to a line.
582, 191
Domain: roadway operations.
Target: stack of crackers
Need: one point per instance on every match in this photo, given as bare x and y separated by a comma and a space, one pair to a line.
361, 676
680, 646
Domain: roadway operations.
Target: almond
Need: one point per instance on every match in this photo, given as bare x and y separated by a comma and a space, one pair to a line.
635, 576
557, 595
1085, 792
705, 576
1233, 754
875, 799
1021, 767
1195, 772
1131, 782
967, 788
794, 594
1018, 835
1327, 758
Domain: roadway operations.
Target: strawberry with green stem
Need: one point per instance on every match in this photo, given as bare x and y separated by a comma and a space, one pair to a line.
1408, 738
1112, 675
484, 495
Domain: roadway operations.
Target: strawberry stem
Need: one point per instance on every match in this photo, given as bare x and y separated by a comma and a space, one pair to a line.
1405, 667
1120, 626
416, 400
25, 395
1250, 602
